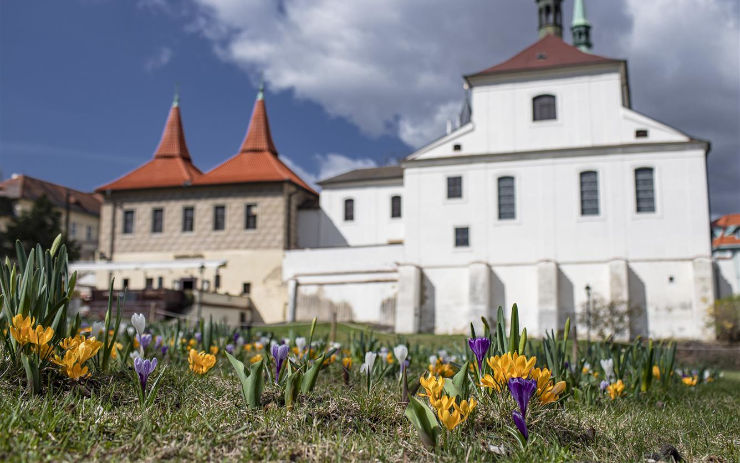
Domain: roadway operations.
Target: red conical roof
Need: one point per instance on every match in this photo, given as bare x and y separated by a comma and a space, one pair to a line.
257, 160
171, 165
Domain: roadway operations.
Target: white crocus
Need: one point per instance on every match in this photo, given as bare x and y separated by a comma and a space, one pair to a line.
367, 367
432, 360
134, 355
300, 343
139, 322
401, 352
608, 366
131, 331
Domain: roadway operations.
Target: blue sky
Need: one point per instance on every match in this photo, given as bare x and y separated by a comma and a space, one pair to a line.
85, 85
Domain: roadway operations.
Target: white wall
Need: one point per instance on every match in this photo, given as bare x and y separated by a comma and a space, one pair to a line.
372, 222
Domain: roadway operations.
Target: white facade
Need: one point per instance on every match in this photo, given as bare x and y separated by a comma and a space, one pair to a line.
657, 262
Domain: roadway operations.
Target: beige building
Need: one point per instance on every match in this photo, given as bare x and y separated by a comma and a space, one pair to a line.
167, 225
79, 212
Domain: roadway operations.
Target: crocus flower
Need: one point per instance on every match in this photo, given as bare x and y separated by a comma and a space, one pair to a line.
279, 353
165, 348
608, 366
157, 341
144, 340
383, 352
230, 348
367, 367
300, 343
236, 336
401, 352
520, 423
479, 346
144, 368
603, 385
139, 322
198, 336
522, 390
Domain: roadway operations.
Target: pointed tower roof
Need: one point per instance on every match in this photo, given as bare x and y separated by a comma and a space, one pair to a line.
257, 160
579, 14
171, 164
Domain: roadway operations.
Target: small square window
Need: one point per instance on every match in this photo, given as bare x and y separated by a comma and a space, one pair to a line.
641, 133
454, 187
462, 237
456, 147
149, 283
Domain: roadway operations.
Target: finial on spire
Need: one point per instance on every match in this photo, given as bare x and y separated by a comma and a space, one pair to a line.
176, 100
550, 17
261, 93
581, 28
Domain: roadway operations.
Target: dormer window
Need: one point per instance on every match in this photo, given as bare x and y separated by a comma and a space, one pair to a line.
543, 108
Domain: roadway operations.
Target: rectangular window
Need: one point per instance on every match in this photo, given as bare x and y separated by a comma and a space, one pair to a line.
149, 283
157, 218
544, 108
128, 221
395, 207
73, 229
89, 233
188, 218
250, 217
589, 193
644, 190
246, 288
349, 210
454, 187
160, 282
125, 283
219, 217
462, 237
217, 281
506, 199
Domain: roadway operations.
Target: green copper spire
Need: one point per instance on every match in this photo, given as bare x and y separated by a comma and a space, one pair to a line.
581, 28
176, 100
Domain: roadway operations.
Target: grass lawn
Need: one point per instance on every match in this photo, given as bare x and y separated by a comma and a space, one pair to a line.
204, 418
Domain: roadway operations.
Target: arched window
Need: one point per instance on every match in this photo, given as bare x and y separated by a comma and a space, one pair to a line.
349, 210
543, 108
506, 199
644, 190
589, 192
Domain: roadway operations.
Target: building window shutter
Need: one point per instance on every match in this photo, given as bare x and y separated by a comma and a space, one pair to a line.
589, 193
506, 199
544, 108
644, 190
349, 210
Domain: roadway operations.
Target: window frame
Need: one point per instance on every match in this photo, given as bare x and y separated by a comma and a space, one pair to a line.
455, 230
161, 220
654, 187
540, 97
581, 173
448, 178
126, 227
215, 223
250, 207
351, 217
513, 178
192, 219
393, 214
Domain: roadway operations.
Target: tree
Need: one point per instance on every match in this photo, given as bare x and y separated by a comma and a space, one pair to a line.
39, 225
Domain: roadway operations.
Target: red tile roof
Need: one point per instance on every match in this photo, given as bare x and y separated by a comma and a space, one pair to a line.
171, 165
30, 188
549, 52
257, 160
725, 222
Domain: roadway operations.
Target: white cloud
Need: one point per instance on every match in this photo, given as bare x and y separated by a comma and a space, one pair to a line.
159, 60
328, 165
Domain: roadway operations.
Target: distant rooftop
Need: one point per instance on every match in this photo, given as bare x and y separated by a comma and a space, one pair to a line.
359, 175
30, 188
728, 227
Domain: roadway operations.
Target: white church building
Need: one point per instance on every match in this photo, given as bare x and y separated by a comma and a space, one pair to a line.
552, 193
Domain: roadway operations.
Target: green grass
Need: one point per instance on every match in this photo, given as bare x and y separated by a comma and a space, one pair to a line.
204, 418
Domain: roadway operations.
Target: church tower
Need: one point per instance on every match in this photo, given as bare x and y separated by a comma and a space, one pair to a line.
581, 28
550, 16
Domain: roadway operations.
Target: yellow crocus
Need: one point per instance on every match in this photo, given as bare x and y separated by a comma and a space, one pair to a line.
551, 392
201, 362
40, 336
76, 371
347, 362
214, 350
690, 381
656, 372
510, 365
247, 347
616, 389
465, 408
256, 358
20, 329
449, 420
489, 382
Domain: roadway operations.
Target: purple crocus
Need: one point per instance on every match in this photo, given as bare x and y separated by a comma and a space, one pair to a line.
479, 346
144, 340
603, 385
230, 348
520, 423
236, 336
522, 390
144, 368
158, 342
198, 336
279, 353
165, 348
